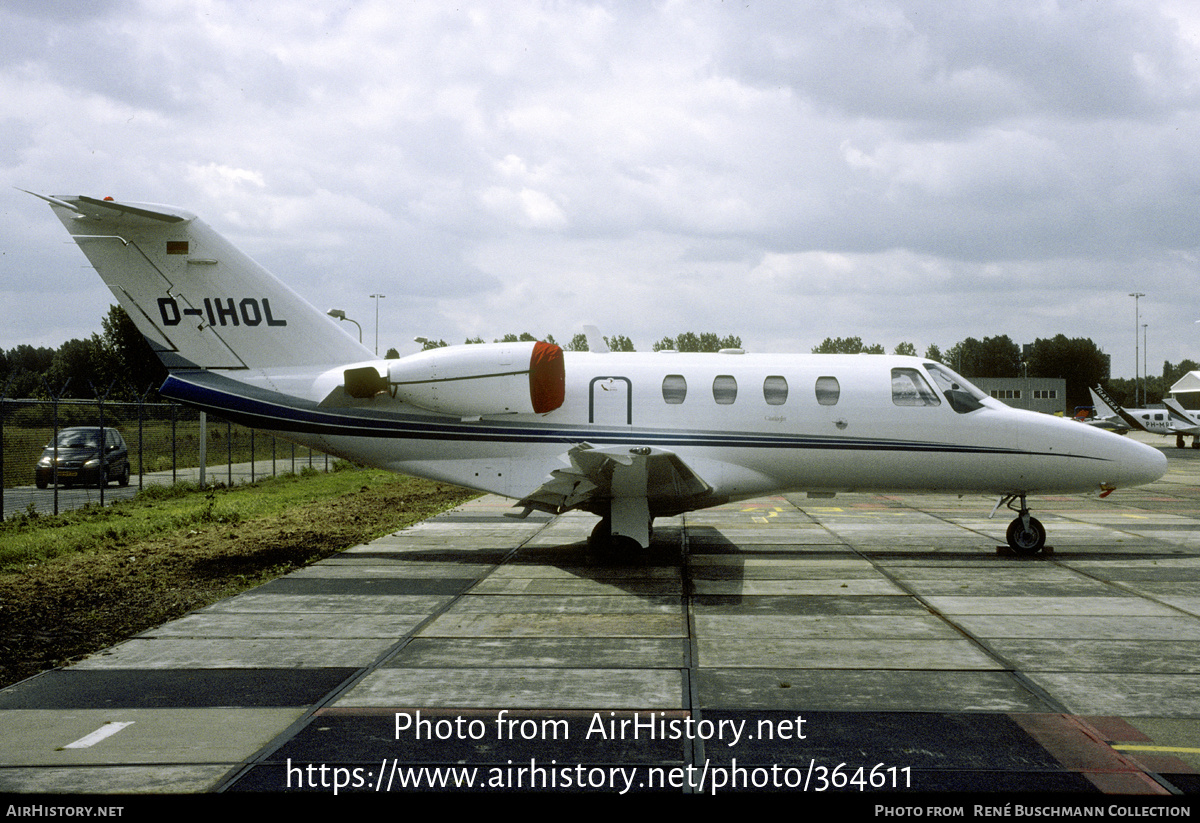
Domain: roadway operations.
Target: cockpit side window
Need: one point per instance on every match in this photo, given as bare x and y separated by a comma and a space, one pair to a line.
909, 388
961, 395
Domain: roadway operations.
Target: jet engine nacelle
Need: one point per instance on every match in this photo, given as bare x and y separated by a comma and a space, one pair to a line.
479, 379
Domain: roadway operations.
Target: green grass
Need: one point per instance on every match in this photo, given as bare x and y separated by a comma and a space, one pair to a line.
28, 539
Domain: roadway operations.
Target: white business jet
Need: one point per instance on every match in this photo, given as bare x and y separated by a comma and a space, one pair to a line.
626, 436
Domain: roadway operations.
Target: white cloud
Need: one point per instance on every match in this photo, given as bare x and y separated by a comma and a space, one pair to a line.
895, 169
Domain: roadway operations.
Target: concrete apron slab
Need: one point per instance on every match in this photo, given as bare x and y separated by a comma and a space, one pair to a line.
870, 631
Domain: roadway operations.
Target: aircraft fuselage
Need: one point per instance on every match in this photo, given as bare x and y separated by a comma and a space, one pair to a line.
748, 424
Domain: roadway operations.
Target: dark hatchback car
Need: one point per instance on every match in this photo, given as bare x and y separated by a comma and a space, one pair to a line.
81, 461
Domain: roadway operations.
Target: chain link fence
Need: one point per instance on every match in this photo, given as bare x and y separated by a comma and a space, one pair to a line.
165, 443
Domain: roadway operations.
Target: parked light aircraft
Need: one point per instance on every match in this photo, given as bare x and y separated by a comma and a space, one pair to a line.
1171, 420
626, 436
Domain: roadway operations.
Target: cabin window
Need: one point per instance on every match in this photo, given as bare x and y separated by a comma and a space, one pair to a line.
775, 390
674, 389
909, 388
828, 391
724, 389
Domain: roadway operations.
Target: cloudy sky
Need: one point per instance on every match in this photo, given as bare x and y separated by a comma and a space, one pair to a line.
898, 170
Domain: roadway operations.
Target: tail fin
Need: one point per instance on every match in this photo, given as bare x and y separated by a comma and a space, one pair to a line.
199, 301
1102, 400
1103, 404
1180, 414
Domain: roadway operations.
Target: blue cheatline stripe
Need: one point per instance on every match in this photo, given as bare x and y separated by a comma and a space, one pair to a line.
259, 408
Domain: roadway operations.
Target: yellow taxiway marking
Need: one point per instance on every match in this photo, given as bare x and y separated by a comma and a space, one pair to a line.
1181, 749
774, 512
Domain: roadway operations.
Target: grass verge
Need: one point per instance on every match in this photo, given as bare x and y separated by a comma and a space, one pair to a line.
76, 583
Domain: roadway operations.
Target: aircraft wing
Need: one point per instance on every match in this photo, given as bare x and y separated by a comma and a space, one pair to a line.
594, 476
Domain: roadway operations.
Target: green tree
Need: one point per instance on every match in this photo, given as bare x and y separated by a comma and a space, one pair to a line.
906, 349
619, 343
24, 368
934, 353
141, 367
846, 345
705, 342
991, 357
1172, 374
83, 369
1077, 360
578, 342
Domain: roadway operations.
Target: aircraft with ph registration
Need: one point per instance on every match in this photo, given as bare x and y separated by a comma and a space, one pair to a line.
1172, 419
626, 436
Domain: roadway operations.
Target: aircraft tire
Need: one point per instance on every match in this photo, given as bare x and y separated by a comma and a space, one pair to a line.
601, 533
1026, 542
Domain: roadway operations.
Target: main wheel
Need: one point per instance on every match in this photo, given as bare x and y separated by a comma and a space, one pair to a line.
609, 547
1026, 541
601, 533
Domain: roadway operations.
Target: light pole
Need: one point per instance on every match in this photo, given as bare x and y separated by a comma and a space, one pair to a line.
341, 315
377, 298
1145, 357
1137, 320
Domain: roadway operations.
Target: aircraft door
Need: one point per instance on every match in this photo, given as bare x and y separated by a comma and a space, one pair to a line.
610, 401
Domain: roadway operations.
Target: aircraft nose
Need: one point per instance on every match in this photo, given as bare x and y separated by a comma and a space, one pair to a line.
1139, 463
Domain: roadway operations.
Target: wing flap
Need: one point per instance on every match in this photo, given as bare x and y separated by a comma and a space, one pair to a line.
596, 475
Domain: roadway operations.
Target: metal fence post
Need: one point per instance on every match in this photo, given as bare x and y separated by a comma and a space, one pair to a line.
3, 400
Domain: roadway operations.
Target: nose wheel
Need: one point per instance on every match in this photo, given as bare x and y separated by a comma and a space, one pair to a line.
1026, 535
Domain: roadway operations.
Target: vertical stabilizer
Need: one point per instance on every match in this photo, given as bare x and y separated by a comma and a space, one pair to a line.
1101, 399
197, 299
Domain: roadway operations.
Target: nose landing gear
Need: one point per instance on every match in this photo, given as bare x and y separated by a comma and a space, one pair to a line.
1026, 535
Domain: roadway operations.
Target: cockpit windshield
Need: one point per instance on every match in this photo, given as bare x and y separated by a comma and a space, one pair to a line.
962, 396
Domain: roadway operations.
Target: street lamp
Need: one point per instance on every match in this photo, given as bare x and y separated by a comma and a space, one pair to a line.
1137, 320
341, 315
1145, 357
377, 298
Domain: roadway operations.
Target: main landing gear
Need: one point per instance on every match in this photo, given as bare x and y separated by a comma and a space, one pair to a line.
1026, 535
604, 542
625, 527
